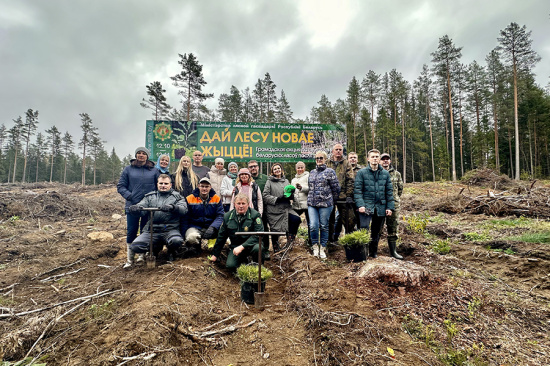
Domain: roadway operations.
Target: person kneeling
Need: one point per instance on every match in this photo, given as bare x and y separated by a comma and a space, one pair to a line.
241, 219
166, 221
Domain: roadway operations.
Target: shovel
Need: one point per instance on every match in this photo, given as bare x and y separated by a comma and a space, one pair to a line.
151, 260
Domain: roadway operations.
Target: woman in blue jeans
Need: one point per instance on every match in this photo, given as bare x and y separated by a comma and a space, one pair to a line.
323, 191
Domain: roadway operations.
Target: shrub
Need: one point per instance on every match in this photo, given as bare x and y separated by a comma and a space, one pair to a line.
356, 238
441, 246
417, 223
249, 273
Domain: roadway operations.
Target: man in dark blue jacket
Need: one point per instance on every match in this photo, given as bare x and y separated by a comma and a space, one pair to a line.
373, 193
204, 218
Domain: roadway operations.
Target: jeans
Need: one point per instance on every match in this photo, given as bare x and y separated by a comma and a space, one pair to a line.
318, 221
171, 238
133, 224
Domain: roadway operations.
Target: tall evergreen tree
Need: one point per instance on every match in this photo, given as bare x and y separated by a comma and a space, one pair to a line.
191, 81
96, 149
14, 134
259, 102
29, 128
370, 88
54, 142
89, 132
353, 100
445, 61
495, 74
67, 146
284, 113
270, 96
157, 101
39, 149
515, 46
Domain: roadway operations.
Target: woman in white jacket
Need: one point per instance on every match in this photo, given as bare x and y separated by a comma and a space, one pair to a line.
299, 204
228, 183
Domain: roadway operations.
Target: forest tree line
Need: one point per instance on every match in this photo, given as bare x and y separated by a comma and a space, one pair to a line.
452, 118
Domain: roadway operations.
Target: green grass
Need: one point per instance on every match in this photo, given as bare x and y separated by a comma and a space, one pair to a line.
533, 237
508, 223
441, 246
473, 236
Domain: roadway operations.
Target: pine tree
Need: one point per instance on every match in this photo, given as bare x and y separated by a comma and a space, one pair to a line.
54, 141
38, 149
270, 98
370, 89
157, 101
88, 134
495, 74
284, 113
354, 104
191, 81
96, 148
446, 60
15, 143
28, 129
515, 46
259, 102
67, 145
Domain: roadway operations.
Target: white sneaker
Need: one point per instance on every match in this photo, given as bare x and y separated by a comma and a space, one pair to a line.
127, 265
140, 258
322, 253
316, 251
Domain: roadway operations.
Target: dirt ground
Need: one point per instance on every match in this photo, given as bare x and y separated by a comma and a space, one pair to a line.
65, 299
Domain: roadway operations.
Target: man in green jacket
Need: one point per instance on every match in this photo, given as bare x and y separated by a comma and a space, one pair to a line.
240, 219
373, 193
392, 222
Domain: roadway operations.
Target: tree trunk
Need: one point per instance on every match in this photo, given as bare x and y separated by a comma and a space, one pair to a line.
516, 121
431, 140
453, 157
404, 145
497, 158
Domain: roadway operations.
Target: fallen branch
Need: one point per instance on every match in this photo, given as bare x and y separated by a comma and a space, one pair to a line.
100, 294
200, 337
51, 278
142, 356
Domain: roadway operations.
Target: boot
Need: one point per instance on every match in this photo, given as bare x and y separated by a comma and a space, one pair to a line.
373, 249
140, 258
392, 243
316, 250
129, 257
322, 253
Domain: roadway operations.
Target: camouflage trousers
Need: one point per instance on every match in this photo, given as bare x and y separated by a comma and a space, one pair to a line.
392, 224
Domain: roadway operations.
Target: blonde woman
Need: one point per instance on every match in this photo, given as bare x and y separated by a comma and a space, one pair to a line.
185, 180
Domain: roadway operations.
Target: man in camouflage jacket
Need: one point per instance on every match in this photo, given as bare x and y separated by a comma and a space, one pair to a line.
392, 222
350, 215
340, 165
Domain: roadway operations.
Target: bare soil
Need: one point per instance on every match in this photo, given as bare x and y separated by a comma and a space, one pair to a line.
65, 299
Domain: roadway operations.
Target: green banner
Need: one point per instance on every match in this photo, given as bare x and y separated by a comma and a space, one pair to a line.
237, 141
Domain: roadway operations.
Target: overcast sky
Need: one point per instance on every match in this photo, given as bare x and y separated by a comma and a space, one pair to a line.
67, 57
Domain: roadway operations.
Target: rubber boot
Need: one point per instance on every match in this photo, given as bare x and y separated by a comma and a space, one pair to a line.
392, 243
316, 251
129, 257
373, 249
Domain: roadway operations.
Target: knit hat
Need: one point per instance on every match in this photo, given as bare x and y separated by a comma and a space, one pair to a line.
144, 149
244, 171
289, 190
219, 160
231, 164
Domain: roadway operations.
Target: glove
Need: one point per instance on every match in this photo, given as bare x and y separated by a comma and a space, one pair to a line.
349, 200
210, 233
134, 208
282, 199
167, 208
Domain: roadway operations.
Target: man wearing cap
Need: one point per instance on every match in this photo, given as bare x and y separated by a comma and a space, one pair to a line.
166, 222
199, 169
240, 219
136, 180
204, 218
392, 222
373, 193
340, 165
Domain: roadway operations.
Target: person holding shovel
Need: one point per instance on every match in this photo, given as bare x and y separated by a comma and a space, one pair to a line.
166, 221
241, 219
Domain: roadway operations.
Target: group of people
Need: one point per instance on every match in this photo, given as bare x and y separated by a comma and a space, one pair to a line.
197, 202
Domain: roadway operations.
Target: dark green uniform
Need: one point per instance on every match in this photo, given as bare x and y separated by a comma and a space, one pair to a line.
392, 222
232, 223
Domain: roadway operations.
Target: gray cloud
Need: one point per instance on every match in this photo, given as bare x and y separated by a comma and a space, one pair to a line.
68, 57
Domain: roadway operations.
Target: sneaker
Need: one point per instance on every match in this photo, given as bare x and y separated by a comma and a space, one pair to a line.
140, 258
322, 253
127, 265
316, 251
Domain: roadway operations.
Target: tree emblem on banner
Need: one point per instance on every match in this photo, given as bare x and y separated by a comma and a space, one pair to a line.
162, 131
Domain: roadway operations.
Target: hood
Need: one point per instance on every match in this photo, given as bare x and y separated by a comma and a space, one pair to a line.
215, 170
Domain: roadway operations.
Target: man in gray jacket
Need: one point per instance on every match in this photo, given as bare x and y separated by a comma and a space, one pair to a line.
166, 221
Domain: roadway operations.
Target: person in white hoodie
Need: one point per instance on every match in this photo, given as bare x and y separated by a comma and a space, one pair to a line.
299, 204
228, 183
216, 175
